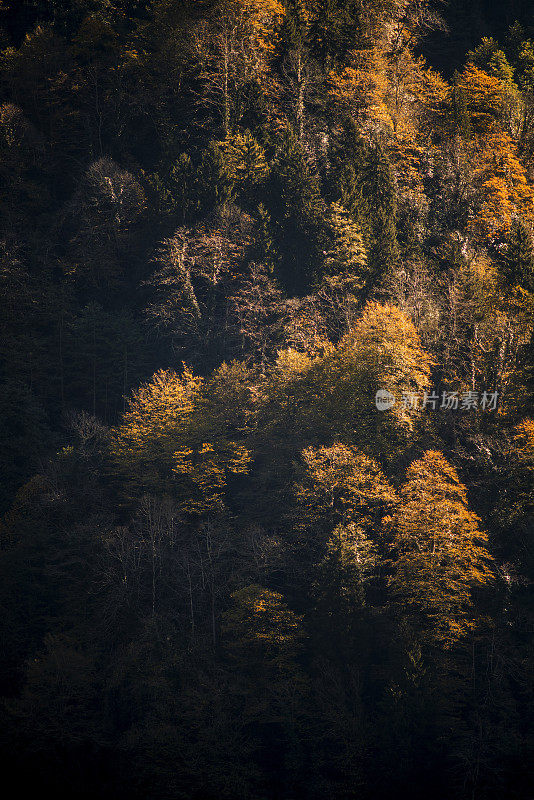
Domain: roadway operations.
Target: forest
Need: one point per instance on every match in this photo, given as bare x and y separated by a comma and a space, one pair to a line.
267, 399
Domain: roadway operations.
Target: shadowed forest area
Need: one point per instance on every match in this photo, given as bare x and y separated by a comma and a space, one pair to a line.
229, 569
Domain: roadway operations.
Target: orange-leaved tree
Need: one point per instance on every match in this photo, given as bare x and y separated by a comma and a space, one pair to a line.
382, 352
438, 551
501, 187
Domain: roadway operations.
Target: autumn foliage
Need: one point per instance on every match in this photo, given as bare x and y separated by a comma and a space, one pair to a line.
267, 399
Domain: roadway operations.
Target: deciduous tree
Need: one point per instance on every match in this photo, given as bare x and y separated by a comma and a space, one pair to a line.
439, 552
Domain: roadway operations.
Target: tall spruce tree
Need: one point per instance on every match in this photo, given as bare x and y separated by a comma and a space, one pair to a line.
381, 198
361, 175
517, 261
295, 206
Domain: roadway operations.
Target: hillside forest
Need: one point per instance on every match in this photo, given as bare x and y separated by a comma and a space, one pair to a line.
267, 399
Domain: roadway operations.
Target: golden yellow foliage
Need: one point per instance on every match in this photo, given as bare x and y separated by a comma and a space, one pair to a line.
260, 623
343, 482
156, 420
524, 440
414, 91
499, 179
485, 96
170, 440
501, 184
256, 20
438, 549
383, 352
334, 391
360, 88
417, 98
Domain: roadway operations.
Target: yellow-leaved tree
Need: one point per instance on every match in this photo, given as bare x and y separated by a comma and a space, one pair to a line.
342, 485
175, 438
332, 396
260, 625
342, 499
438, 551
382, 352
502, 190
263, 636
359, 89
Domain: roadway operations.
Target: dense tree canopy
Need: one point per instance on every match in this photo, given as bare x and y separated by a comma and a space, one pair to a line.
267, 399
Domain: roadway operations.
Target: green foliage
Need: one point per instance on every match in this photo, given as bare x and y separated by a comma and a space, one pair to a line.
363, 178
295, 206
380, 191
490, 58
516, 263
337, 26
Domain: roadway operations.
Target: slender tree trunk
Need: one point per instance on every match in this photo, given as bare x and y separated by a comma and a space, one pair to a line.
226, 60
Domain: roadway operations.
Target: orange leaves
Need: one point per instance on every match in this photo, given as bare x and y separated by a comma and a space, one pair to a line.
343, 480
407, 158
502, 185
260, 625
524, 441
143, 446
360, 88
397, 93
334, 393
258, 19
387, 349
433, 91
202, 471
439, 552
413, 90
485, 96
498, 174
